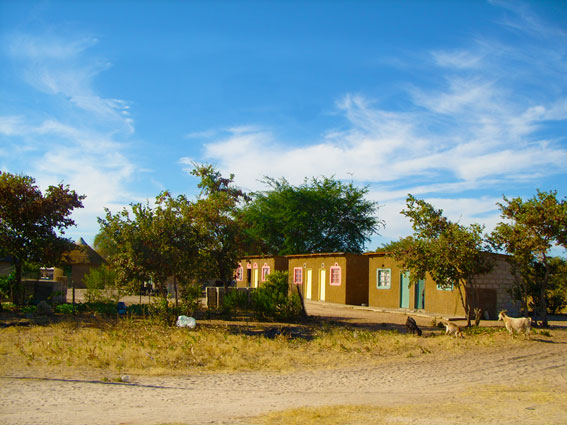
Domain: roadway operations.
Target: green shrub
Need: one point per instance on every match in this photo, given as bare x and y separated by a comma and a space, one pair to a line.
64, 309
556, 302
107, 308
6, 282
28, 309
9, 306
101, 283
234, 300
272, 301
138, 309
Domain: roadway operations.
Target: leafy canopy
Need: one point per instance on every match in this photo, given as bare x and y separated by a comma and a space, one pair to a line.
151, 243
451, 253
220, 231
320, 215
32, 223
532, 228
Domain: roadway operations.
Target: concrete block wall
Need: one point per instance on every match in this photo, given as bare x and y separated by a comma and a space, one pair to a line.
502, 280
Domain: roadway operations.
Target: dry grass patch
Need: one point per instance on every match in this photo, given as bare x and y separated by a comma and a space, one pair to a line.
140, 347
538, 403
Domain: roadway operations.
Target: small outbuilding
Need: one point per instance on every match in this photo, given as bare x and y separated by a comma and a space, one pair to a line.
253, 270
331, 277
389, 287
78, 262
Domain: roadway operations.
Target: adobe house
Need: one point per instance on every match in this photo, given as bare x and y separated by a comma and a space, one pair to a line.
336, 277
254, 269
78, 262
389, 287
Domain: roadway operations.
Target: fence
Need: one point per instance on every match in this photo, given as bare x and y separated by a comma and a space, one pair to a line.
215, 295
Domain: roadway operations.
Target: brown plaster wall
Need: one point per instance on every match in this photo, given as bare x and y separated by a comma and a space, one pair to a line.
436, 301
276, 263
354, 278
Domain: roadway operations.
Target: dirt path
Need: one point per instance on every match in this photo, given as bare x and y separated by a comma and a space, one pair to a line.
235, 398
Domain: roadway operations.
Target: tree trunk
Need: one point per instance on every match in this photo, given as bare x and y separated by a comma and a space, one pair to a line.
303, 310
16, 288
465, 305
542, 292
175, 289
543, 306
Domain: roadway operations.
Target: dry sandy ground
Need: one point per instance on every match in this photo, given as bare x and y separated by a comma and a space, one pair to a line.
425, 384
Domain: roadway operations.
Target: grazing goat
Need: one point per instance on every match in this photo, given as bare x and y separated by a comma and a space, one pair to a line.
516, 324
412, 327
453, 329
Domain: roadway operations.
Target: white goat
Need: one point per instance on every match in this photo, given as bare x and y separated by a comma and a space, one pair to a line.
453, 329
517, 325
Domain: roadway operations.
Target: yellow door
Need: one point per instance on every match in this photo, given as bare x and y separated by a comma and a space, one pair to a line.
255, 278
308, 287
322, 279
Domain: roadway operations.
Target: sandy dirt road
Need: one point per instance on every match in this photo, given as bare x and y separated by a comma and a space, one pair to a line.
237, 398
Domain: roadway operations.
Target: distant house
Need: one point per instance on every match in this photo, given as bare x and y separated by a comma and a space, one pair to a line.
331, 277
252, 270
389, 287
78, 262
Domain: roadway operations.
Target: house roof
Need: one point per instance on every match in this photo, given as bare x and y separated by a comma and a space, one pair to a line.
323, 254
83, 254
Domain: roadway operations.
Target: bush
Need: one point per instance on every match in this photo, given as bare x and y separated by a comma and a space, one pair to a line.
28, 309
234, 300
272, 301
6, 282
138, 309
556, 302
64, 309
101, 283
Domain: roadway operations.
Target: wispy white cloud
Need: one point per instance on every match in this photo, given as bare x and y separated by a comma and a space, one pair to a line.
81, 139
482, 126
62, 66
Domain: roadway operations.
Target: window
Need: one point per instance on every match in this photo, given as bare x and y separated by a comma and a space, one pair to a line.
447, 286
298, 275
335, 275
383, 278
239, 273
265, 272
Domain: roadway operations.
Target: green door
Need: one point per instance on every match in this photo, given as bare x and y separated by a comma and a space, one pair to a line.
420, 294
404, 290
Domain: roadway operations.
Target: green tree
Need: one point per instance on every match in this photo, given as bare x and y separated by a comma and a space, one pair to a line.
102, 285
532, 228
220, 231
274, 301
32, 223
529, 276
151, 243
321, 215
451, 253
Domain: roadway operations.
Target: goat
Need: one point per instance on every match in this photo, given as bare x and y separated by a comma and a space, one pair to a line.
453, 329
516, 324
412, 327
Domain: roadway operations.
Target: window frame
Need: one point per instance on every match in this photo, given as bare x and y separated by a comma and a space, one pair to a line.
332, 269
378, 272
297, 271
446, 287
265, 272
239, 273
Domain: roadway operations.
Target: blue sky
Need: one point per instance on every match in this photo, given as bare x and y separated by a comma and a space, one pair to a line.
456, 102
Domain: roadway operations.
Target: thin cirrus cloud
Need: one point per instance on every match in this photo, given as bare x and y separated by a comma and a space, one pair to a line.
481, 127
83, 138
57, 66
